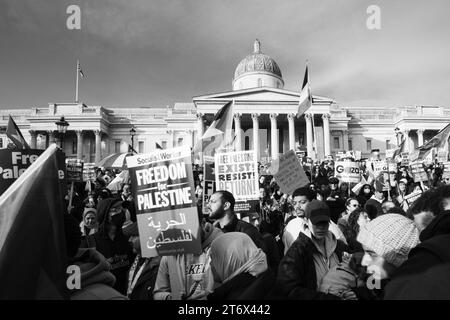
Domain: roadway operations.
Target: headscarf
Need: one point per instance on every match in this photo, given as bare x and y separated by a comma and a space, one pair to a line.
234, 253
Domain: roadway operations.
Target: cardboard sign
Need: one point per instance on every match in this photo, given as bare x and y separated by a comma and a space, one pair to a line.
405, 159
418, 172
347, 171
446, 173
237, 172
13, 164
163, 186
209, 182
89, 171
288, 172
442, 156
74, 169
410, 198
379, 167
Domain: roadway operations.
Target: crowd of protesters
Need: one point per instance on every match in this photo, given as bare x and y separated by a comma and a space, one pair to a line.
325, 241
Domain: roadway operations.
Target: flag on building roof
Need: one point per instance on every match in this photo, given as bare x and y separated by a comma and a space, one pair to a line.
440, 140
305, 100
401, 148
14, 134
219, 132
33, 256
80, 71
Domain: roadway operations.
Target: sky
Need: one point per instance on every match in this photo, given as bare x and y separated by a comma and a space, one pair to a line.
153, 53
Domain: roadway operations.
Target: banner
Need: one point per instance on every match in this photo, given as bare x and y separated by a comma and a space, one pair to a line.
13, 164
162, 183
89, 171
347, 171
410, 198
74, 169
33, 255
418, 172
237, 172
209, 182
288, 172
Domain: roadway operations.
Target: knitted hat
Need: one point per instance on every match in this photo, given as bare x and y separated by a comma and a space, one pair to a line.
390, 236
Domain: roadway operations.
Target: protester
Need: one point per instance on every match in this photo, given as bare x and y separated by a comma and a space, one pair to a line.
309, 259
188, 276
111, 242
365, 194
351, 204
357, 219
373, 205
386, 241
89, 225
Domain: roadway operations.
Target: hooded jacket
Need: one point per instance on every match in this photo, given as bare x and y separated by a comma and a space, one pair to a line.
428, 261
96, 281
187, 276
297, 277
118, 252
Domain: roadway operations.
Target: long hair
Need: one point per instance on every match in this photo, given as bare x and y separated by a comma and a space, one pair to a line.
352, 229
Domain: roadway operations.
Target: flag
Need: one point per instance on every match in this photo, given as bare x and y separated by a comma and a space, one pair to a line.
438, 141
305, 100
158, 146
401, 148
33, 258
219, 131
14, 134
79, 69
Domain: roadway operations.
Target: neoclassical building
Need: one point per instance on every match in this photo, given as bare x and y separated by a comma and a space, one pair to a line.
265, 118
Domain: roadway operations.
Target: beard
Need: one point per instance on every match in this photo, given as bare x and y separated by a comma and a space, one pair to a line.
219, 213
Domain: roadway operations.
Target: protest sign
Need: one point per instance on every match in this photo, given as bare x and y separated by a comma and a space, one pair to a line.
245, 207
237, 172
74, 169
442, 156
347, 171
288, 172
163, 186
379, 167
410, 198
405, 159
13, 164
390, 153
418, 172
89, 171
209, 182
446, 173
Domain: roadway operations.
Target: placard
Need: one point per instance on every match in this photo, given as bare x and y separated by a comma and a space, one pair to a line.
237, 172
288, 172
209, 182
405, 159
410, 198
418, 172
89, 171
245, 207
446, 173
163, 186
74, 169
347, 171
442, 156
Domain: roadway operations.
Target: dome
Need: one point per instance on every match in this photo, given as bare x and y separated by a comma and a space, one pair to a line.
257, 62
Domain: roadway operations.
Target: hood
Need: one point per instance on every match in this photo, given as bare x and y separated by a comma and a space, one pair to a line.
94, 268
440, 225
102, 211
211, 233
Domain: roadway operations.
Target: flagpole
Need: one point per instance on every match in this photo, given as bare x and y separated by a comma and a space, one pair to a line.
76, 86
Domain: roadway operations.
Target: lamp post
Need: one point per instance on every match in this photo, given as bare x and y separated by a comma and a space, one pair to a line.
62, 125
132, 133
397, 132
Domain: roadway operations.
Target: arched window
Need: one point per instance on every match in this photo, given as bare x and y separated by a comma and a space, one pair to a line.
259, 82
247, 143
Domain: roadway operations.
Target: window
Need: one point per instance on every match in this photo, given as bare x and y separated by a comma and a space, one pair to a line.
180, 141
141, 147
164, 144
74, 147
388, 144
259, 82
116, 146
368, 144
1, 143
247, 143
336, 143
350, 144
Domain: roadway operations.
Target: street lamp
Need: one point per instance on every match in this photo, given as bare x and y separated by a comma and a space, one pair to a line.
397, 132
132, 133
62, 125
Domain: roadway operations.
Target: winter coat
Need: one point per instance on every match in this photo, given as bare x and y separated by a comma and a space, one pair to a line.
96, 279
187, 275
142, 287
297, 274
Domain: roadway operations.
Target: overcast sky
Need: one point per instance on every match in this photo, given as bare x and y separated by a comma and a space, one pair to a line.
141, 53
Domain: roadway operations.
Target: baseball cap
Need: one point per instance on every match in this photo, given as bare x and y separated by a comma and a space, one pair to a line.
317, 211
333, 180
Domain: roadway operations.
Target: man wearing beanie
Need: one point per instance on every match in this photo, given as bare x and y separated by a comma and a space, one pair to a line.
310, 258
386, 241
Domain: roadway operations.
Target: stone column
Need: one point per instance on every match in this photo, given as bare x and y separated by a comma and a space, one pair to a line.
98, 145
291, 117
309, 135
79, 144
274, 135
345, 138
191, 137
172, 138
326, 133
420, 137
200, 128
408, 140
33, 141
256, 134
238, 131
50, 137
